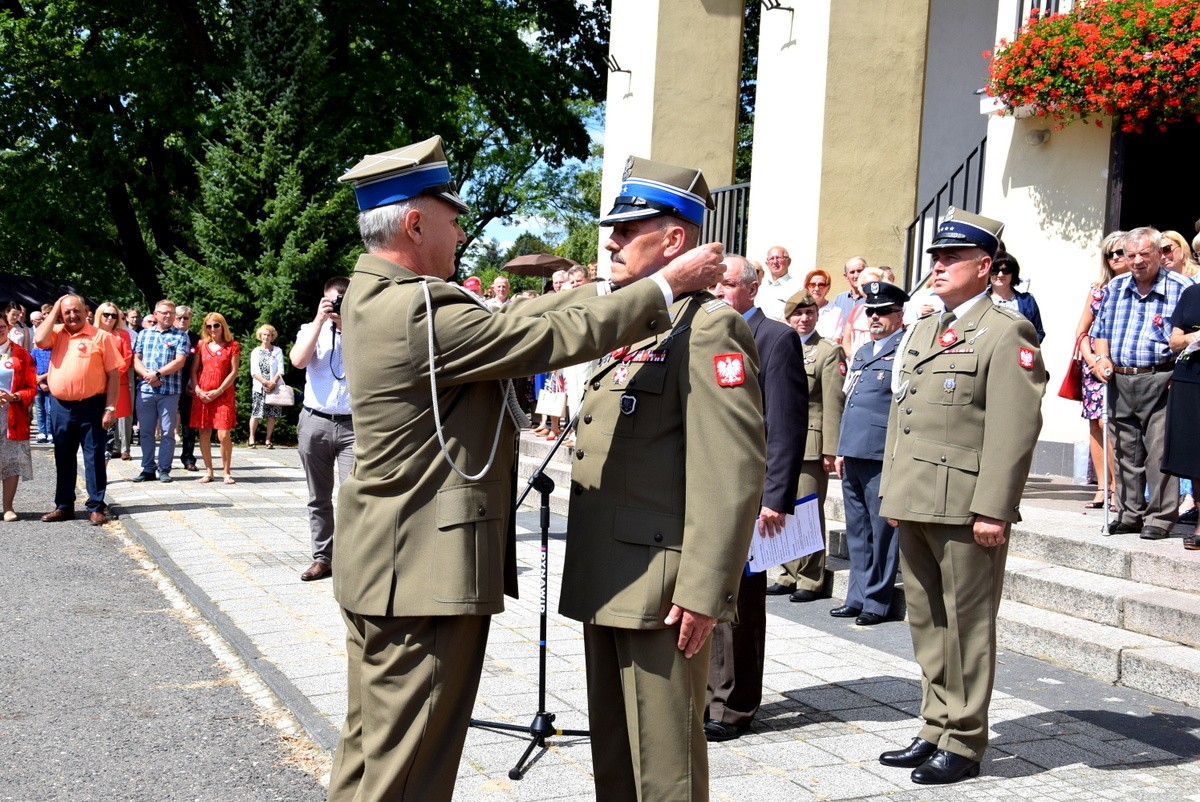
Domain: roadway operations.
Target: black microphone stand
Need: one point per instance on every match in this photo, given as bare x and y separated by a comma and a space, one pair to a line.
542, 726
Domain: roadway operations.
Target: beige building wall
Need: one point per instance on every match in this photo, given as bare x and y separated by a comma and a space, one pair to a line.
1052, 199
874, 97
678, 103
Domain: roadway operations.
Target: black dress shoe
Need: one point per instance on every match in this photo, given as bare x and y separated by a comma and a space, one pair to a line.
869, 619
845, 611
1118, 528
143, 477
916, 754
776, 589
944, 768
1153, 533
717, 731
804, 596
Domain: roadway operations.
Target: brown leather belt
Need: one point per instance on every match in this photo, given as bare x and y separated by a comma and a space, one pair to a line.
1159, 368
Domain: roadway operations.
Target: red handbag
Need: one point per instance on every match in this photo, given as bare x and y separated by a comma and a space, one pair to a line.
1072, 384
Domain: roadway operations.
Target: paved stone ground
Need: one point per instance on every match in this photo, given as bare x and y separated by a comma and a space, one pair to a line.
832, 703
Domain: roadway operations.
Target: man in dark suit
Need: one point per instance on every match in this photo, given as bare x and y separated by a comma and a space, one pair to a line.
870, 539
425, 529
665, 487
735, 669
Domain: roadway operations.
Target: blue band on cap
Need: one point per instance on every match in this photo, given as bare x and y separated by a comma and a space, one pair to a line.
967, 232
690, 207
402, 186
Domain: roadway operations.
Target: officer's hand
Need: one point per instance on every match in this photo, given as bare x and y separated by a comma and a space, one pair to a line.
698, 269
770, 522
989, 531
839, 464
694, 630
828, 463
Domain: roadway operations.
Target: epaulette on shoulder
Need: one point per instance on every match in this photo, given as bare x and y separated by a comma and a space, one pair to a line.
1011, 314
832, 342
714, 304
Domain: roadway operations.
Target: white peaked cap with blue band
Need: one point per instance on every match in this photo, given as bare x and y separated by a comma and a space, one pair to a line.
960, 229
650, 188
402, 174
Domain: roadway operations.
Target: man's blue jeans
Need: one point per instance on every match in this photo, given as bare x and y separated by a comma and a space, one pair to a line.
157, 410
75, 424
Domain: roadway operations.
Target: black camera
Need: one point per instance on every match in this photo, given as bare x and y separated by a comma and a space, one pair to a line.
337, 305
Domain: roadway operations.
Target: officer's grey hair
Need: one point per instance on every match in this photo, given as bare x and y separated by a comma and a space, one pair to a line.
1145, 232
747, 275
380, 226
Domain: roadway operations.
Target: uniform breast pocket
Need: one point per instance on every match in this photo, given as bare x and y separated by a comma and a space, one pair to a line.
470, 540
638, 398
954, 379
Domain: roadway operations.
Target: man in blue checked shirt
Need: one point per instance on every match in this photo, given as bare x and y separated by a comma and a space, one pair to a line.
1134, 359
158, 358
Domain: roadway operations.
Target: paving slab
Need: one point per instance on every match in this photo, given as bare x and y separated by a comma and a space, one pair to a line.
832, 699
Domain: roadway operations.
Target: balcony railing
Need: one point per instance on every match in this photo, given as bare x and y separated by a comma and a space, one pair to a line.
728, 222
964, 190
1044, 8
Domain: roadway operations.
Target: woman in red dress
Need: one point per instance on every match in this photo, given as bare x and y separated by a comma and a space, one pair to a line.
213, 373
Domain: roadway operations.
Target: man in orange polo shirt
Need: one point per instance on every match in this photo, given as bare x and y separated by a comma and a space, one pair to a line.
83, 377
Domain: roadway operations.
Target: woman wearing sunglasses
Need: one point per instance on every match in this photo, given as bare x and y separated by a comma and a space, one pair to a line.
1006, 274
120, 437
213, 407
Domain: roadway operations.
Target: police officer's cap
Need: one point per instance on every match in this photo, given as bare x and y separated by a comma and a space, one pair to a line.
801, 300
404, 173
650, 188
960, 229
880, 294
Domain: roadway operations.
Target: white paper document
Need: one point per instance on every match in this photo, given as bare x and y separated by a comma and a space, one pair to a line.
801, 536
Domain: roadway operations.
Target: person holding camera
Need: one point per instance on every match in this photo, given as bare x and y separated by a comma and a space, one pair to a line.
325, 430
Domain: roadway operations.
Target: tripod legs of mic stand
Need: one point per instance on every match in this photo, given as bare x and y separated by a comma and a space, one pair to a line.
542, 726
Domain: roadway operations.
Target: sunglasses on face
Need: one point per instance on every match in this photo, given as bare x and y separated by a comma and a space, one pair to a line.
212, 325
1166, 249
1117, 254
817, 284
109, 315
883, 312
1002, 271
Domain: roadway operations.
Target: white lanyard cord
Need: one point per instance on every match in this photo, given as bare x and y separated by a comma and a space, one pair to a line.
437, 413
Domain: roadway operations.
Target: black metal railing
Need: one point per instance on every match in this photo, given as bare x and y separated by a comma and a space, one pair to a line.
1044, 8
728, 222
964, 191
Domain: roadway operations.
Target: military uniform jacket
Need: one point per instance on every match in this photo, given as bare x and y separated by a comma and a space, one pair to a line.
668, 474
413, 537
965, 418
825, 364
868, 401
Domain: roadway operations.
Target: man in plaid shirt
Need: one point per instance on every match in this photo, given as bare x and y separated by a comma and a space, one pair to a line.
159, 357
1135, 360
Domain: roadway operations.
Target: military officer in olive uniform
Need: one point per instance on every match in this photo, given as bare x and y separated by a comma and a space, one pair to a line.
870, 539
825, 364
425, 529
961, 434
666, 483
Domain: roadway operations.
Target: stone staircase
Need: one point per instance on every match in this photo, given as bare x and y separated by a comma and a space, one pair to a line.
1120, 609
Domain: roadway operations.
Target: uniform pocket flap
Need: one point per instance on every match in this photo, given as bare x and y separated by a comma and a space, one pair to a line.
956, 363
646, 528
462, 504
957, 457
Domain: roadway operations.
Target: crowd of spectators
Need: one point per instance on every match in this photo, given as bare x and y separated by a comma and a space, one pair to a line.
160, 367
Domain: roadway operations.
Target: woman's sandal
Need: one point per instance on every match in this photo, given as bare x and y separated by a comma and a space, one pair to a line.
252, 444
205, 479
229, 480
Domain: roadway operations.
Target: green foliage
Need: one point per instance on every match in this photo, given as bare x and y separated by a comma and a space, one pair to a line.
129, 131
747, 92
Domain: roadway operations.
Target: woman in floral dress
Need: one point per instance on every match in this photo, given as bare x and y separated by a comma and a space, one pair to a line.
1112, 264
266, 369
213, 374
